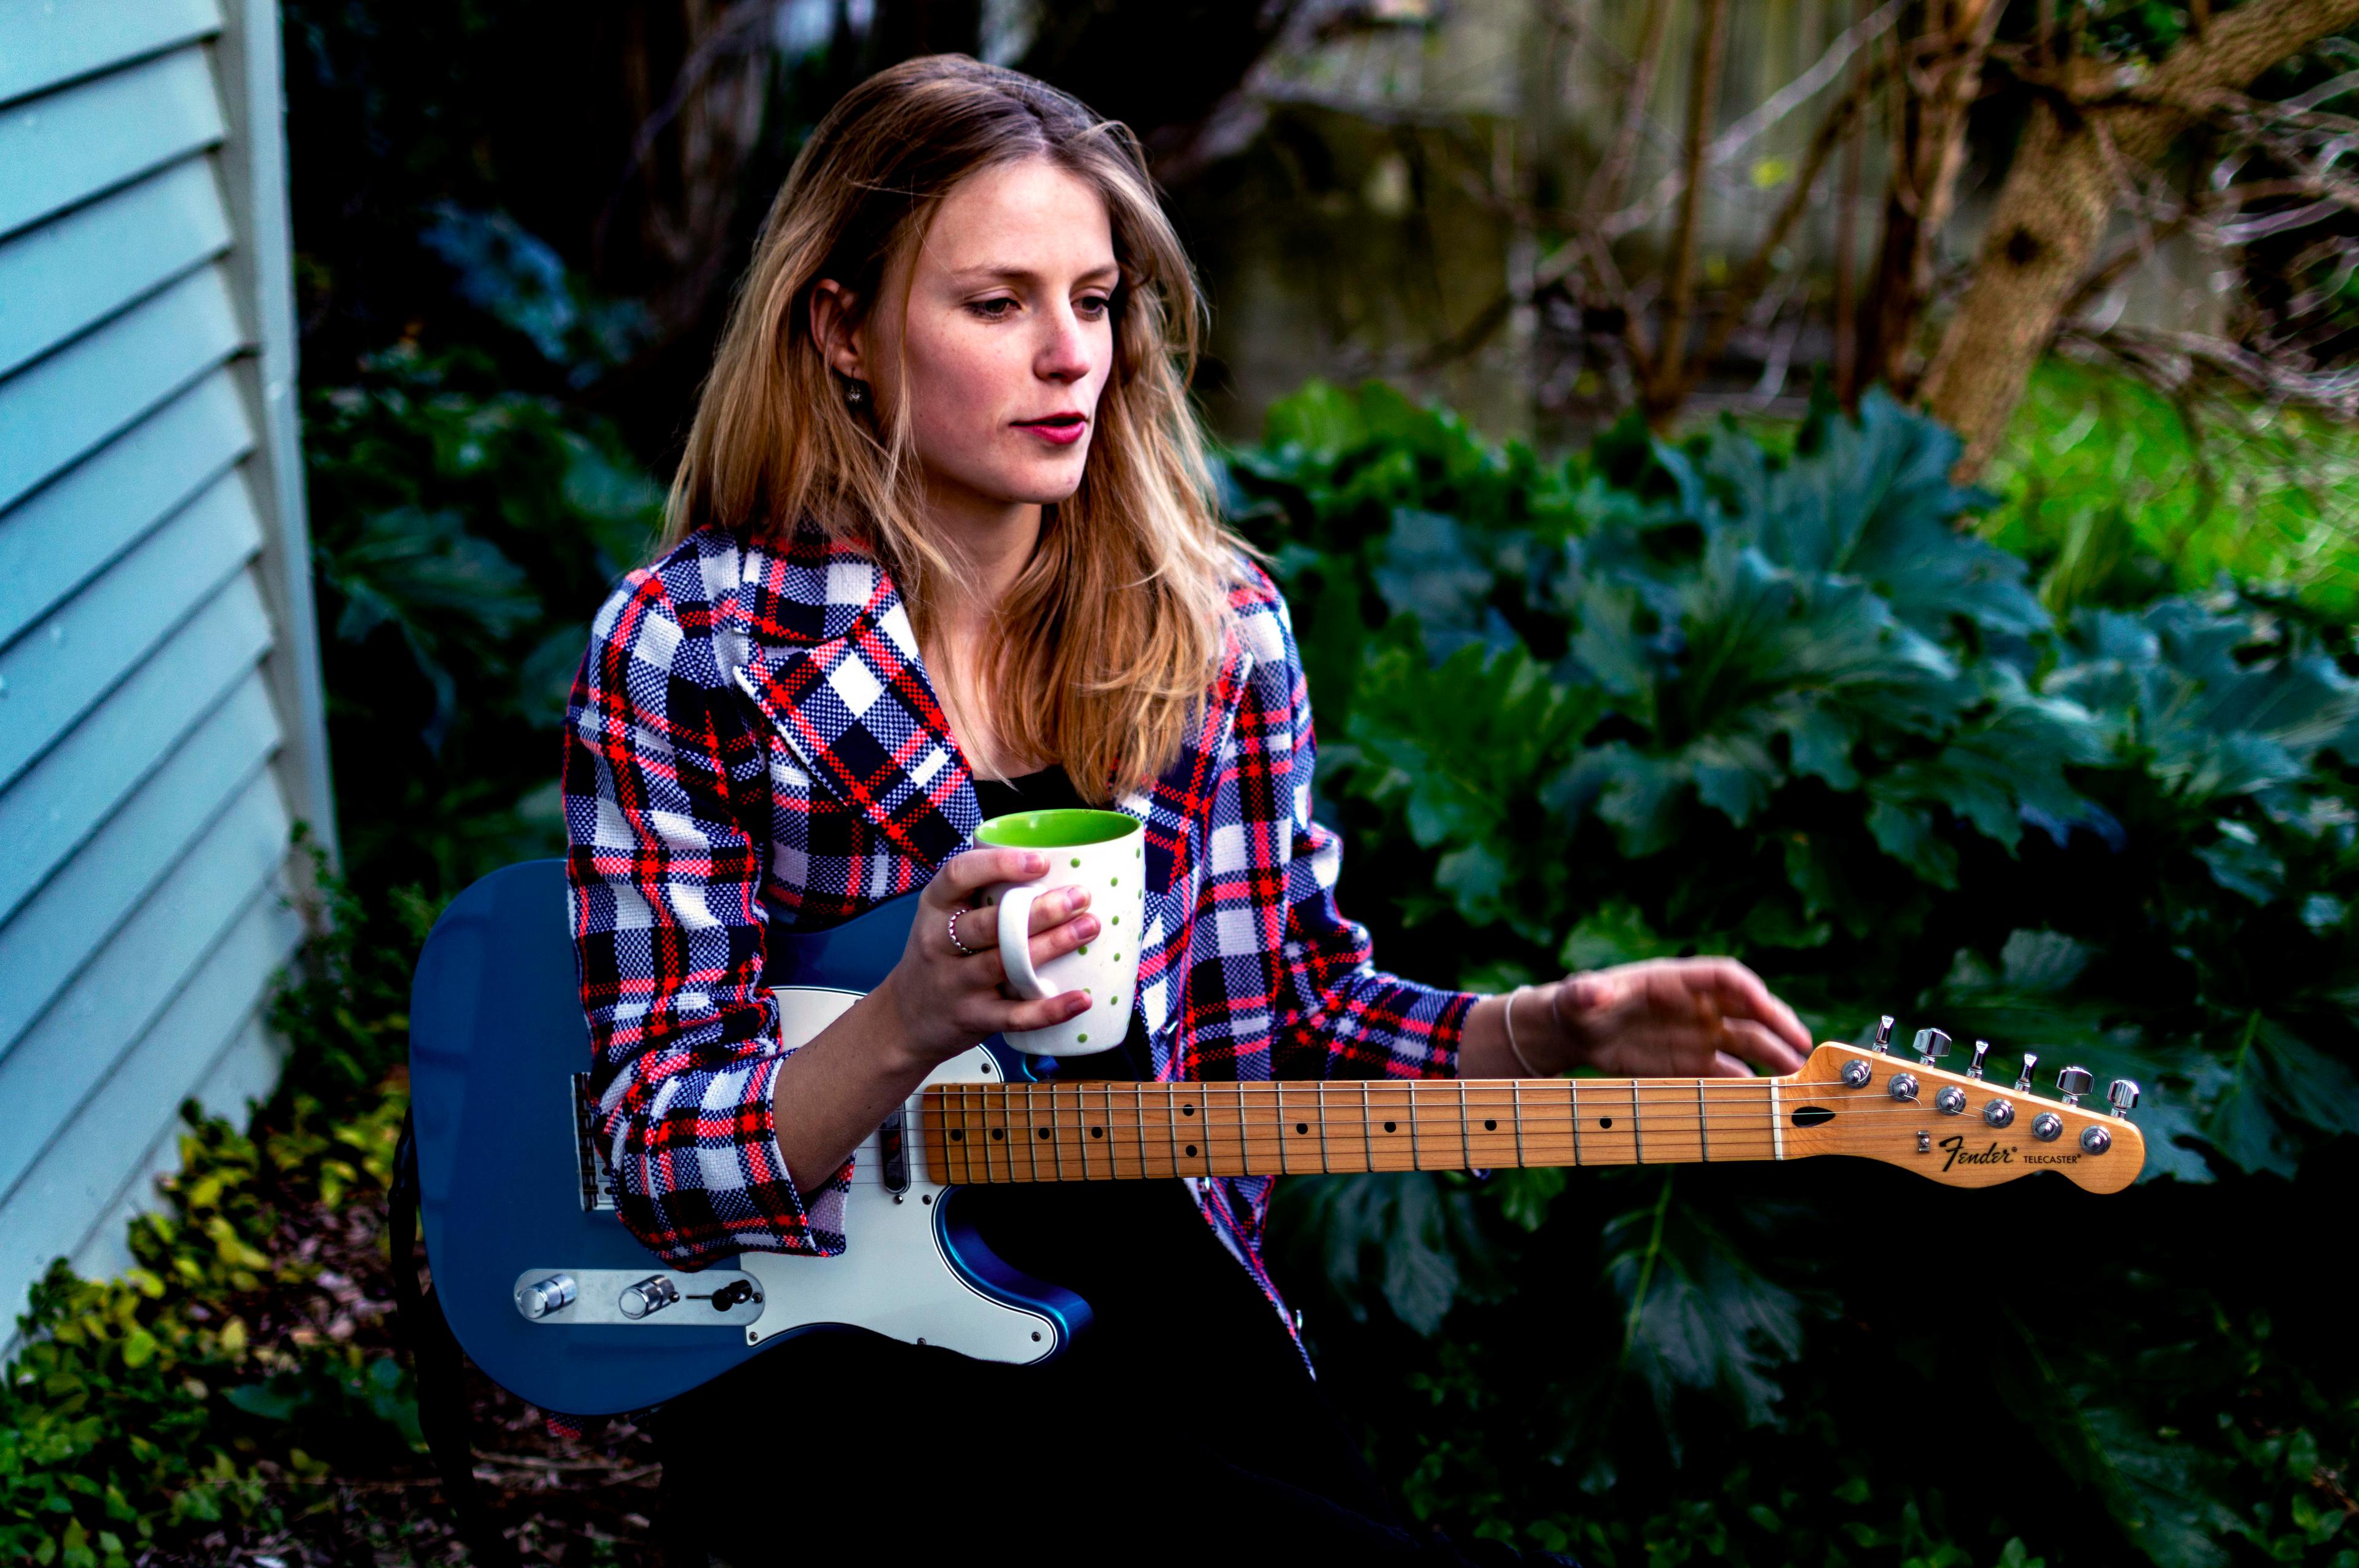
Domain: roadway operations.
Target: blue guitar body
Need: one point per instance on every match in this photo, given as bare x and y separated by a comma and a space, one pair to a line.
543, 1287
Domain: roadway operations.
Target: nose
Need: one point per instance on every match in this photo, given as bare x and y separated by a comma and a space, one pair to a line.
1065, 352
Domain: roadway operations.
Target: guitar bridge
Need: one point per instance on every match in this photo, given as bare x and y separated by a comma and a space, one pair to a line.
893, 1154
596, 1182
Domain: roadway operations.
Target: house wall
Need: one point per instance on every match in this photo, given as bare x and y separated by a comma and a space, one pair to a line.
161, 709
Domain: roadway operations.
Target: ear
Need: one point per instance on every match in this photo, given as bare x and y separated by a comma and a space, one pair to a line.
835, 327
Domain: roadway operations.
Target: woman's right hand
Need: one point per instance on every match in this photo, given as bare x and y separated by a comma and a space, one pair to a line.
947, 1001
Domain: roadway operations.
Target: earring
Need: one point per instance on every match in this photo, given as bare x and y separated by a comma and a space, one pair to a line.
855, 393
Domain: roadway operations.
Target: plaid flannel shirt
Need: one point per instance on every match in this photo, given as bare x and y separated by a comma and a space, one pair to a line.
752, 745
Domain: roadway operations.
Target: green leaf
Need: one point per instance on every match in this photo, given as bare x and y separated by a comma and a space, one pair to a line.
1698, 1315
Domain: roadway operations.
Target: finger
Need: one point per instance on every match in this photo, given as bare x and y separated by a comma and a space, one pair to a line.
969, 871
1742, 992
1725, 1065
1756, 1043
1043, 1014
1063, 939
979, 928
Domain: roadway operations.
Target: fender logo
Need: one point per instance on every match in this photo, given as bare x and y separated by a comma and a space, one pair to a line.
1962, 1155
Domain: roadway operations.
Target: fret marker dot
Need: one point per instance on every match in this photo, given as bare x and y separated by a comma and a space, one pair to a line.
1097, 1132
1044, 1132
1191, 1151
1490, 1127
1301, 1126
1187, 1110
997, 1133
1605, 1121
958, 1135
1389, 1127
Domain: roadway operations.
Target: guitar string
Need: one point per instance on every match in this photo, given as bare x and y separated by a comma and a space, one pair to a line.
1258, 1138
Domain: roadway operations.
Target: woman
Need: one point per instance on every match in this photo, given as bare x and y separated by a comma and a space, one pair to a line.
941, 546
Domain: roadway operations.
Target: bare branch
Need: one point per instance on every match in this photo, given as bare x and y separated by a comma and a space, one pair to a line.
1755, 275
1605, 184
1703, 91
1730, 144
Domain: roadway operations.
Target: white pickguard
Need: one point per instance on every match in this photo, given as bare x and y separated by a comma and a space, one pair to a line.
894, 1276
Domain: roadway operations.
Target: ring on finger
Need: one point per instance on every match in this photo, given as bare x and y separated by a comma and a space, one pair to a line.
964, 950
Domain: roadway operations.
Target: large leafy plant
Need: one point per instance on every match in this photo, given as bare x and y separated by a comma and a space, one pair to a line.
1704, 696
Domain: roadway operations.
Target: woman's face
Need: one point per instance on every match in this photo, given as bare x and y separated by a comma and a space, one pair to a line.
1005, 340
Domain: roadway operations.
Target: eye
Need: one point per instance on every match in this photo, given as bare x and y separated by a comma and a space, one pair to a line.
996, 309
1090, 307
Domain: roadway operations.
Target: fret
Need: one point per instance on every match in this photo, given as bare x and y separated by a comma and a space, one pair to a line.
953, 1118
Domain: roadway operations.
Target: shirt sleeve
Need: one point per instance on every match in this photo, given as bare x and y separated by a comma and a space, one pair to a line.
1347, 1018
667, 831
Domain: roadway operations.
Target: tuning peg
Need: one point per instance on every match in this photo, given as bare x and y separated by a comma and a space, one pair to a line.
2122, 1094
2074, 1082
2023, 1079
1975, 1068
1931, 1046
1883, 1034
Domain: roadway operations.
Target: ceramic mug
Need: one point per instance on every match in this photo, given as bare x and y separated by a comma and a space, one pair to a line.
1105, 852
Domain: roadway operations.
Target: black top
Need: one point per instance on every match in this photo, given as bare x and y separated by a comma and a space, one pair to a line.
1180, 1425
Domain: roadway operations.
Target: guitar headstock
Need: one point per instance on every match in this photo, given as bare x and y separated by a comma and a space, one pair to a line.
1959, 1128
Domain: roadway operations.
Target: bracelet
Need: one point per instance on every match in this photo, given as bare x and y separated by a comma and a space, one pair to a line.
1507, 1015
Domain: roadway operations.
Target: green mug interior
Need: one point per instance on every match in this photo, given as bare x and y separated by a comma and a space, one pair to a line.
1065, 827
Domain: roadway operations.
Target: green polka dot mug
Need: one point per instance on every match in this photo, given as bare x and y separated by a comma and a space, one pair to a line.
1106, 852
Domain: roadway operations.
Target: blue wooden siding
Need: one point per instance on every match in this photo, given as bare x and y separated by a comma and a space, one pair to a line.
159, 712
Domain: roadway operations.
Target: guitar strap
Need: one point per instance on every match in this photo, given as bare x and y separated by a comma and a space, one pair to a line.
438, 1363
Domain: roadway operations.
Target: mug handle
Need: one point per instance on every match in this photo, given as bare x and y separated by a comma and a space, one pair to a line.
1015, 942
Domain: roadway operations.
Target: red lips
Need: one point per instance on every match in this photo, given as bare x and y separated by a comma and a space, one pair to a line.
1058, 429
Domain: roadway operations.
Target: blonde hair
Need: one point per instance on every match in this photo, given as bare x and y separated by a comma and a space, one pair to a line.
1138, 556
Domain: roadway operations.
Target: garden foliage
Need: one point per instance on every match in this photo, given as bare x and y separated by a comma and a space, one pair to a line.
1652, 698
1700, 697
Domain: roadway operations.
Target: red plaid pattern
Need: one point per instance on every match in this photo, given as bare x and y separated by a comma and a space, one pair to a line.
752, 742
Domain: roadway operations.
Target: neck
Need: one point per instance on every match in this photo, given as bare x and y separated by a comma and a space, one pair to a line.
1094, 1131
990, 542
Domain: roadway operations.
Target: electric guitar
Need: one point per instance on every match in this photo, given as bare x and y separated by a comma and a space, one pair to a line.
556, 1302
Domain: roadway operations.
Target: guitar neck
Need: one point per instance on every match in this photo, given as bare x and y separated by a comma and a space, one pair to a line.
1111, 1131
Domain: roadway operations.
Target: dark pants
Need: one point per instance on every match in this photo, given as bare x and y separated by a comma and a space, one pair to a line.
1182, 1427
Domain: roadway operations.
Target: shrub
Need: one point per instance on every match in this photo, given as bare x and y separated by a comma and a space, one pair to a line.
1700, 697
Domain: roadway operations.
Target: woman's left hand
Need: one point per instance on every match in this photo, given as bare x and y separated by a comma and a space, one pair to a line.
1669, 1018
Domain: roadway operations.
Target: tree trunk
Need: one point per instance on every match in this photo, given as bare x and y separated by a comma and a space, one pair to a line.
2052, 210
